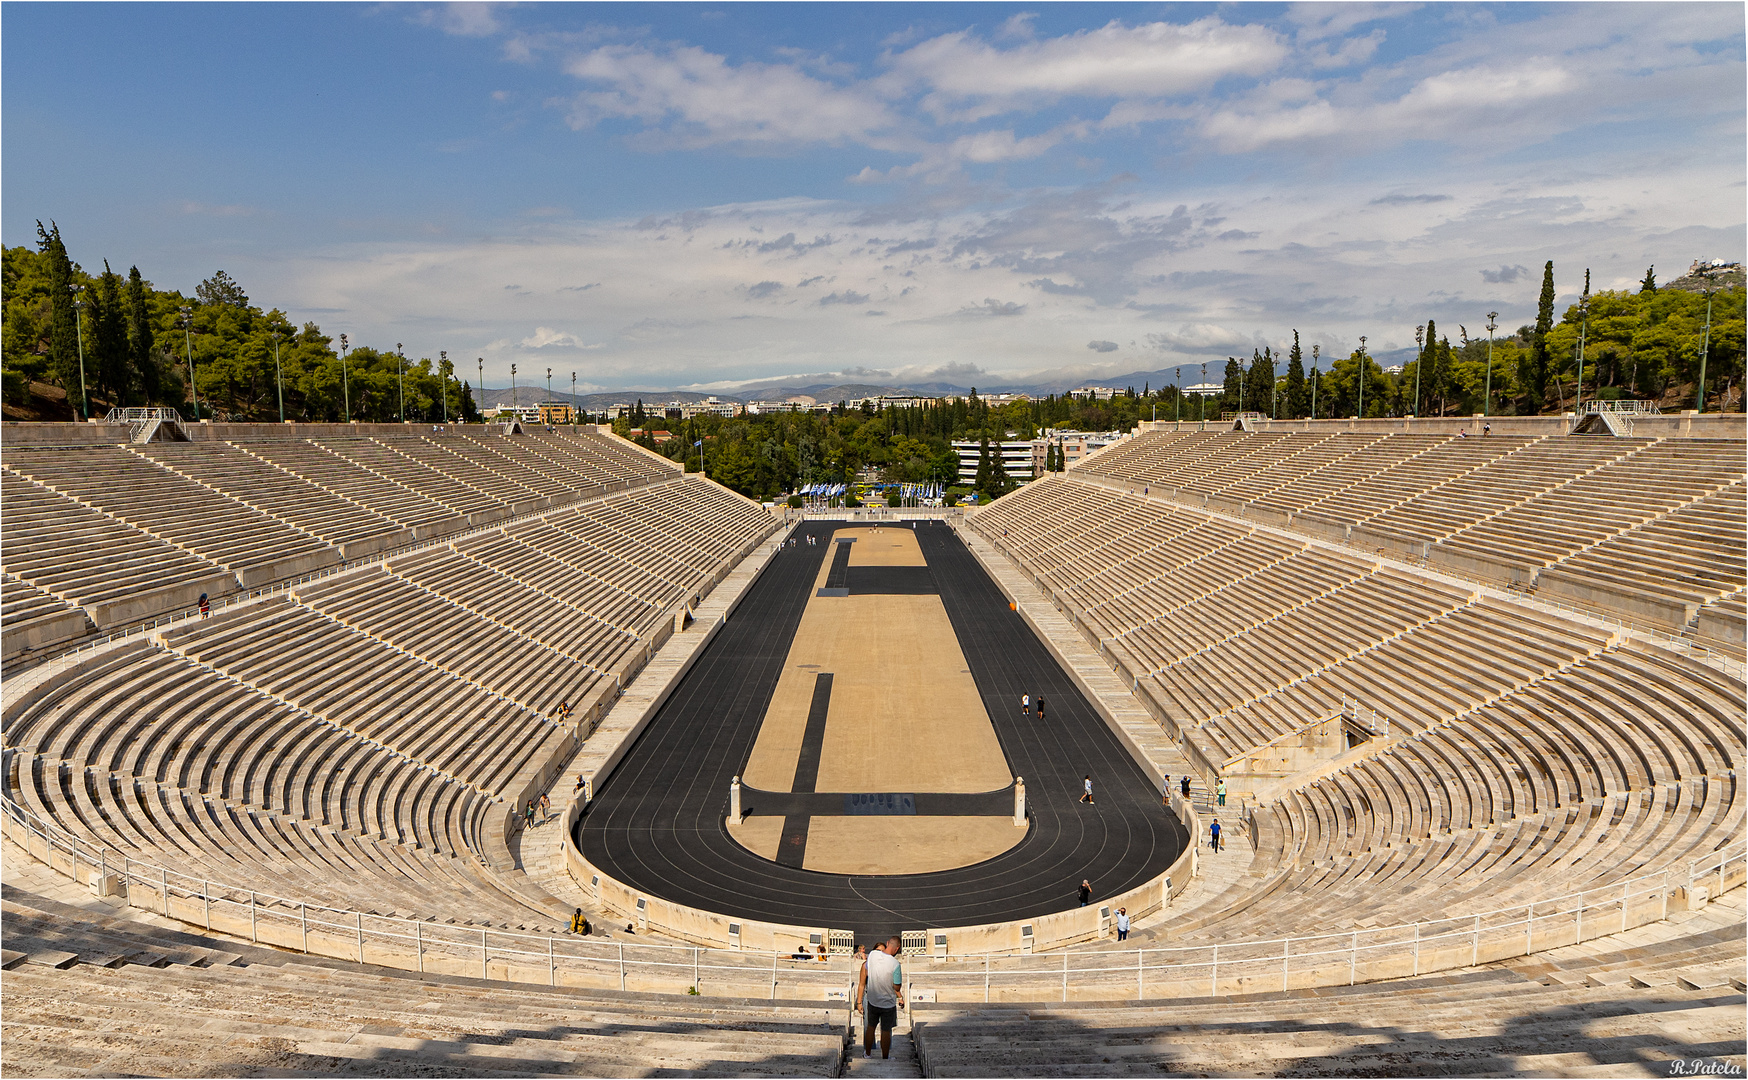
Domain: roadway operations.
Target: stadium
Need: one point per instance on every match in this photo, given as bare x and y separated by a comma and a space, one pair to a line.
320, 737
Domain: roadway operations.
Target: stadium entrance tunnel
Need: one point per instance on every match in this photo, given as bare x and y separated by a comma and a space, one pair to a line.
867, 694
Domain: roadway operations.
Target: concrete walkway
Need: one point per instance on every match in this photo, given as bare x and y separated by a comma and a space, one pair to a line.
903, 1062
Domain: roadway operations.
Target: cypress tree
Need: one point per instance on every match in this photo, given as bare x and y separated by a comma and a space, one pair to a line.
63, 334
141, 343
982, 481
999, 482
1259, 390
1230, 396
1650, 282
109, 335
1442, 371
1296, 399
1539, 362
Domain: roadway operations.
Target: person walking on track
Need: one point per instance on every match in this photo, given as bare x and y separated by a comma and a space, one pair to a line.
1040, 706
1025, 704
1086, 796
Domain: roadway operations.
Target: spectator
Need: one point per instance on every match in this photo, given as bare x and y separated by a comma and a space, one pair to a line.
1085, 891
1122, 924
580, 924
1214, 836
545, 807
205, 607
879, 994
1184, 785
1220, 791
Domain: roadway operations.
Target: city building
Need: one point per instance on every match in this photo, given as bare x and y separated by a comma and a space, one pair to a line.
1074, 445
1016, 458
1093, 393
555, 412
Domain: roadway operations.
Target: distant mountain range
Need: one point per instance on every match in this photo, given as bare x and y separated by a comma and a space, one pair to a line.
847, 391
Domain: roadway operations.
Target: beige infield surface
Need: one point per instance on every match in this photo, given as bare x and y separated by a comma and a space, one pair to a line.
905, 716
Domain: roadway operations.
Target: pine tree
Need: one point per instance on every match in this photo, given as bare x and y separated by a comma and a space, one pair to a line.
1650, 282
63, 333
109, 335
1296, 397
141, 344
1536, 378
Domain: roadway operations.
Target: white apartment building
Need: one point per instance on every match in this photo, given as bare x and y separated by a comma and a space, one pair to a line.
1016, 458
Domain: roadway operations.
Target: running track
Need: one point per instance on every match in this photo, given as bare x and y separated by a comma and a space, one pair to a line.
658, 823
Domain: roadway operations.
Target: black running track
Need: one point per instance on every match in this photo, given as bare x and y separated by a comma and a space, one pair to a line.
658, 823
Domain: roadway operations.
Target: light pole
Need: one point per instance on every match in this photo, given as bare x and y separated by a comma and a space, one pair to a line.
513, 392
573, 401
443, 374
549, 387
1240, 384
1180, 394
400, 379
1419, 362
188, 340
1583, 326
1274, 395
79, 331
1487, 402
1315, 379
1204, 394
1705, 345
1362, 408
278, 380
482, 382
345, 380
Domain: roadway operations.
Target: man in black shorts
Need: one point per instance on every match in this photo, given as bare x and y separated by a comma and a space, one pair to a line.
880, 990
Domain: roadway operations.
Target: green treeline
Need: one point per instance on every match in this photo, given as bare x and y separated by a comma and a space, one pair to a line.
1643, 343
137, 345
770, 454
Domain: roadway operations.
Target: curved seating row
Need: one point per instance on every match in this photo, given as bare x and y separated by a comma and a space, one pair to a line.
344, 742
1526, 754
217, 517
1590, 518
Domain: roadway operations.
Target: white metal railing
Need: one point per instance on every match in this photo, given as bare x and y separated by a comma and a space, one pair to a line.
1623, 407
1319, 959
137, 416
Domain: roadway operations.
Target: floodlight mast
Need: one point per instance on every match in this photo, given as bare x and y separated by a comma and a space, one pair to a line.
1487, 402
79, 325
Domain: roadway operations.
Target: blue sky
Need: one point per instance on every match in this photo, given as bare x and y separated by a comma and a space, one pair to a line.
697, 195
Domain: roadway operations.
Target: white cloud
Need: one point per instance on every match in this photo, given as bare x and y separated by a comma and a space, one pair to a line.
1152, 60
698, 99
463, 19
545, 337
